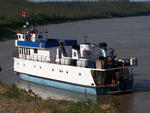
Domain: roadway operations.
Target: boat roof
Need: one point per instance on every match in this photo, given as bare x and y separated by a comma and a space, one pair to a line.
46, 44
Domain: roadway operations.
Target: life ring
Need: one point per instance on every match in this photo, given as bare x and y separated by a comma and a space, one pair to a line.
40, 45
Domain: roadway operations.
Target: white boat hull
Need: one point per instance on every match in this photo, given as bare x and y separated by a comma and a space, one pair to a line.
61, 76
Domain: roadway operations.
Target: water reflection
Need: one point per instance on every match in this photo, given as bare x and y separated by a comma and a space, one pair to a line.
129, 103
142, 85
46, 92
49, 92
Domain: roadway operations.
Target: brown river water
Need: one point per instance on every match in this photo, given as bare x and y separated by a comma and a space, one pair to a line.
128, 36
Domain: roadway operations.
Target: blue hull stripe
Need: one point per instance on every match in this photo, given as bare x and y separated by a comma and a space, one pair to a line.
56, 84
76, 88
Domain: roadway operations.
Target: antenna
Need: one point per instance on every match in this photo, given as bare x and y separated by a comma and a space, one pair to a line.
36, 24
26, 25
46, 30
85, 36
42, 30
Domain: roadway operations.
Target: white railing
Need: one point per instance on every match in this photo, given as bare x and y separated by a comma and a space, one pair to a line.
40, 58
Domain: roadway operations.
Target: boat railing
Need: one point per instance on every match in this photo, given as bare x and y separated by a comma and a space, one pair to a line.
40, 58
65, 61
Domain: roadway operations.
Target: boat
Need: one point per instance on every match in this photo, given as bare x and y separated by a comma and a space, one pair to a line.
85, 68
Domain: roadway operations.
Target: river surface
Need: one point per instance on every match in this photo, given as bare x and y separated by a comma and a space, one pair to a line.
128, 36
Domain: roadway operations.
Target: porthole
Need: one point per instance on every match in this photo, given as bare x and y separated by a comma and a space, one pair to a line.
67, 72
52, 69
35, 51
40, 67
79, 74
60, 70
74, 54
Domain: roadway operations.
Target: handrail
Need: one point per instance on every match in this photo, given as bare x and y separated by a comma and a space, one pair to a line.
40, 58
33, 57
54, 60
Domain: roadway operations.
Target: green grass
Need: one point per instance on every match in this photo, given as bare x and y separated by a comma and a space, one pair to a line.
58, 12
85, 107
13, 99
13, 92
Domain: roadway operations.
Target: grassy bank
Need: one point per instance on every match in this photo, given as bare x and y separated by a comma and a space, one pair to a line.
56, 12
14, 100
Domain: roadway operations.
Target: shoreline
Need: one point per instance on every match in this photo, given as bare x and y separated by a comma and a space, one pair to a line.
12, 34
63, 12
17, 100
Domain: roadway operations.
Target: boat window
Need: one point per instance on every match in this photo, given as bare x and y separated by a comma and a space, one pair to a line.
92, 83
79, 74
40, 36
75, 54
35, 51
24, 51
60, 70
29, 51
19, 36
67, 72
